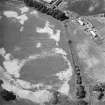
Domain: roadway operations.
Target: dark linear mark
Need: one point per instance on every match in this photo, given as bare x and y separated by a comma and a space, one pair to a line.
43, 8
80, 89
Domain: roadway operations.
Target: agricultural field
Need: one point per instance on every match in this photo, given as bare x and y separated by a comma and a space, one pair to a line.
45, 61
